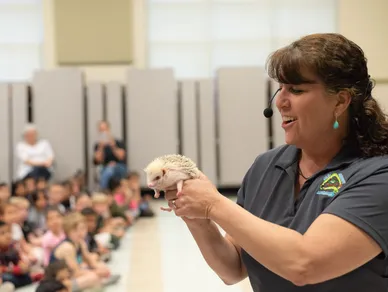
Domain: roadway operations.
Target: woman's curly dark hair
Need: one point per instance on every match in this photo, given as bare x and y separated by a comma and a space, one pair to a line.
341, 65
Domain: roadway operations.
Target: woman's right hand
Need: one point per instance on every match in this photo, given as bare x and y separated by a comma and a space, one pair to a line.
171, 195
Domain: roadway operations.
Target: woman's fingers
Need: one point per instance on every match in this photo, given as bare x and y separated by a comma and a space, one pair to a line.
170, 195
165, 209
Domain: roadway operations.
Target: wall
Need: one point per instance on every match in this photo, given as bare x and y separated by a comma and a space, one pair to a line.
364, 22
99, 73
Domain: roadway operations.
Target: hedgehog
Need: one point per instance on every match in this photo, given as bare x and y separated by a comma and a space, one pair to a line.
168, 171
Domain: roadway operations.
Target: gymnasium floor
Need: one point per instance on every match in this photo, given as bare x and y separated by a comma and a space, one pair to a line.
159, 255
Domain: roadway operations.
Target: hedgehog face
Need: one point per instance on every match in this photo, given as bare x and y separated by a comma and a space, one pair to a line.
155, 178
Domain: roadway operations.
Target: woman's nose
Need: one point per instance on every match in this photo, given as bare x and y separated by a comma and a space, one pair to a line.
282, 100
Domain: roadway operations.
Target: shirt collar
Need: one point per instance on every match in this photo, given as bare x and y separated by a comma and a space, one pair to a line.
290, 155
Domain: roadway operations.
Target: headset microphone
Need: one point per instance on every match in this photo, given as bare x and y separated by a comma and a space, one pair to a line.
268, 112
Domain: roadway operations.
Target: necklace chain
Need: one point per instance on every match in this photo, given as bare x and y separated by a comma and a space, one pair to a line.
301, 174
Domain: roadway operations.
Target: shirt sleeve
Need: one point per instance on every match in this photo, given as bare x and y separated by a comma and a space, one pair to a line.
49, 149
21, 152
242, 190
365, 204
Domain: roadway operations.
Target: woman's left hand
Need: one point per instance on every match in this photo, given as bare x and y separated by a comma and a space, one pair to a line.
196, 200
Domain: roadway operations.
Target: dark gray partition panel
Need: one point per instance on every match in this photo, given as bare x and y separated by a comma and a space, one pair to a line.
5, 165
243, 130
189, 137
207, 134
19, 105
114, 109
278, 132
59, 115
94, 115
152, 127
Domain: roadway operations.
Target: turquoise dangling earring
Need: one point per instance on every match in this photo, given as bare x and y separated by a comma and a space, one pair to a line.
336, 124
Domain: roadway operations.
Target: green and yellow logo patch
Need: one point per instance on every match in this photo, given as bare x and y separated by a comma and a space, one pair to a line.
331, 184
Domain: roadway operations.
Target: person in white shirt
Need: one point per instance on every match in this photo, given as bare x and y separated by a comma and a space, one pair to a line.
35, 156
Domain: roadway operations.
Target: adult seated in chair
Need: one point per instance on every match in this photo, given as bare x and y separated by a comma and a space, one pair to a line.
110, 154
35, 156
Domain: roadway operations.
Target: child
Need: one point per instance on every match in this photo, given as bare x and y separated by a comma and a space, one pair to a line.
138, 202
54, 235
30, 241
83, 201
41, 184
68, 200
121, 193
105, 222
9, 214
94, 246
30, 184
14, 269
22, 205
36, 214
18, 189
56, 195
86, 271
56, 278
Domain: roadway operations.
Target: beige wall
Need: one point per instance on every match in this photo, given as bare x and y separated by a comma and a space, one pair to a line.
363, 21
366, 23
99, 73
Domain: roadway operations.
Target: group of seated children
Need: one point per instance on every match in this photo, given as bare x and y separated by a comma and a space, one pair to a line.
53, 228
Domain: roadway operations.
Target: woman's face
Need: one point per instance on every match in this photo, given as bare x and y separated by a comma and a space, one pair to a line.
311, 110
30, 137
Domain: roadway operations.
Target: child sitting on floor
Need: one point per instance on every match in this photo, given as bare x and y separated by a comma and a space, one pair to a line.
87, 272
106, 222
31, 243
14, 268
54, 235
139, 203
56, 278
96, 243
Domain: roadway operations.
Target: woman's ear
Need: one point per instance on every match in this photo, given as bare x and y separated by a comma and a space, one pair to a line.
343, 101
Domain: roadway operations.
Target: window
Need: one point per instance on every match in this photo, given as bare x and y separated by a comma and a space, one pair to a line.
21, 38
196, 37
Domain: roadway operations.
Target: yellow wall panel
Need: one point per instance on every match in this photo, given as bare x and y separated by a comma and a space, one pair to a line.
93, 32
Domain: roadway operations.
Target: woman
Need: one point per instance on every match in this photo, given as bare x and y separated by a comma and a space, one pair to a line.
312, 213
35, 156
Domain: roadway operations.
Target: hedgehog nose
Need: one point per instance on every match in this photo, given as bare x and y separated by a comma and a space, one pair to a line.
150, 185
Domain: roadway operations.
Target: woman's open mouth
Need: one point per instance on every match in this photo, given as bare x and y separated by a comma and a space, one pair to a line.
288, 121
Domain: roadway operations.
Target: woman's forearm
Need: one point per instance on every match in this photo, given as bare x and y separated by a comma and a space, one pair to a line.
220, 254
31, 163
279, 249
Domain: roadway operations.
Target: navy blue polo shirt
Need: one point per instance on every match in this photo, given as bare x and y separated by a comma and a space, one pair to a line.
350, 187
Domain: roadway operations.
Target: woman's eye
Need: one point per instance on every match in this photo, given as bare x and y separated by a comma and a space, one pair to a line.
295, 91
